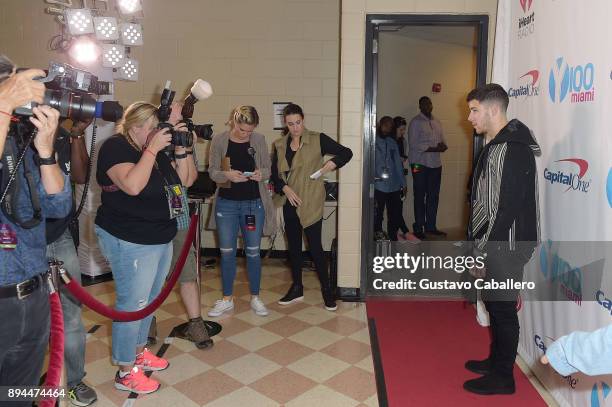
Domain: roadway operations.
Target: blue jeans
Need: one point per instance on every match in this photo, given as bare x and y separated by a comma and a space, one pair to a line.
230, 217
74, 332
139, 272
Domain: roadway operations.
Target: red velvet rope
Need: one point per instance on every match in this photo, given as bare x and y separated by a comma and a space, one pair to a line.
56, 348
125, 316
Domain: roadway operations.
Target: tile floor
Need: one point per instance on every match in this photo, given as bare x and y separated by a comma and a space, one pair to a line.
299, 355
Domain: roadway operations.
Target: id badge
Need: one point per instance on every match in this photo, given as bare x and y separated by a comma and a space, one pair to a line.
250, 222
8, 237
174, 194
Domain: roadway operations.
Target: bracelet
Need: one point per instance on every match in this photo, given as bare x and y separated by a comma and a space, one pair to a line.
180, 156
150, 152
77, 137
189, 152
13, 118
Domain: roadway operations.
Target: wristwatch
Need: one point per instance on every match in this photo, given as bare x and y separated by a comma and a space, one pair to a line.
45, 161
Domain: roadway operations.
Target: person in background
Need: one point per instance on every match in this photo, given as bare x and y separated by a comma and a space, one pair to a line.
297, 173
426, 142
240, 165
400, 130
62, 241
389, 180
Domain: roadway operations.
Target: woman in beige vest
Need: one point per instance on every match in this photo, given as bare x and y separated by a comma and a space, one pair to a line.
297, 173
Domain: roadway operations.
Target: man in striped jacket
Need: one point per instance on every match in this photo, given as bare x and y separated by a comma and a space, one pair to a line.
504, 227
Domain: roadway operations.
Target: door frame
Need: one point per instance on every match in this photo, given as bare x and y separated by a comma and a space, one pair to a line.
373, 22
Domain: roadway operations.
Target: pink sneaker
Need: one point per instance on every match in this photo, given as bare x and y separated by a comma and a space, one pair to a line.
411, 238
148, 361
400, 236
136, 381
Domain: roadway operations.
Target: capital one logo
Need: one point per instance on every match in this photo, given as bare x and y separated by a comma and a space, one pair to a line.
574, 180
599, 394
576, 81
609, 187
526, 5
528, 88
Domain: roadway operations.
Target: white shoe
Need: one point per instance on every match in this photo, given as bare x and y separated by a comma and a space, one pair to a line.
258, 307
220, 307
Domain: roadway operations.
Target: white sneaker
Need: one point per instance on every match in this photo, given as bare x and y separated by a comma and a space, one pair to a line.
220, 307
258, 307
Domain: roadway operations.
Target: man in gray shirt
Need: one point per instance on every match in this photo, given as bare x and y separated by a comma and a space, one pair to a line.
425, 143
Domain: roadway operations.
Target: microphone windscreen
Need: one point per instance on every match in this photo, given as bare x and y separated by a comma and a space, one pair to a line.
201, 89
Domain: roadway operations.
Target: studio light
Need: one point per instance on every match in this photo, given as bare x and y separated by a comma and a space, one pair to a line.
106, 28
129, 71
84, 51
129, 6
113, 55
131, 34
79, 21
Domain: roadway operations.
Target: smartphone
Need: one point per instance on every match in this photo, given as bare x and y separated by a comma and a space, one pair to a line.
248, 173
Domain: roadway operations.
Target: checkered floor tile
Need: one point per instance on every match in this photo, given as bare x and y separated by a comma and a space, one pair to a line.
299, 355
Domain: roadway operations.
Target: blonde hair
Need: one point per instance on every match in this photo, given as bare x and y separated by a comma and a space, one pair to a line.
243, 115
135, 115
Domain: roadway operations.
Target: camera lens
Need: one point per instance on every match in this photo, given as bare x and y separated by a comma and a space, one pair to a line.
71, 105
182, 139
203, 131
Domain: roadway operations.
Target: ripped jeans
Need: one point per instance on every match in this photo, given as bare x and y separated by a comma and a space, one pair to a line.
139, 272
230, 217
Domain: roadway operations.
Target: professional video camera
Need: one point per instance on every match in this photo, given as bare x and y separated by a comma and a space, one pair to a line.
69, 91
200, 90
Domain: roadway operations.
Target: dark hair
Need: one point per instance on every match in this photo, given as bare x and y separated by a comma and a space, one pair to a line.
290, 109
491, 92
399, 121
382, 120
423, 98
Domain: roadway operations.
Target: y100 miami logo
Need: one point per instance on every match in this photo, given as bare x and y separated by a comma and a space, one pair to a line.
609, 187
576, 81
527, 87
558, 270
599, 394
526, 21
571, 177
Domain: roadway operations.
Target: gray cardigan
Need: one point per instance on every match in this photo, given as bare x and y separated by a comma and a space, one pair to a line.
218, 150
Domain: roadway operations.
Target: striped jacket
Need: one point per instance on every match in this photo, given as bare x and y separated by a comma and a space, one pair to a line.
505, 192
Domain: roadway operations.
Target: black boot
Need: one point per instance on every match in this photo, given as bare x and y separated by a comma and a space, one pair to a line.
295, 294
491, 383
482, 367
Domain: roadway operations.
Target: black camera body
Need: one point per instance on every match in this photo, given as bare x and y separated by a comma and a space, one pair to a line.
181, 138
69, 90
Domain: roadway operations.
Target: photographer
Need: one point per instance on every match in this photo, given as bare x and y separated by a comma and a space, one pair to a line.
62, 241
185, 162
33, 195
135, 226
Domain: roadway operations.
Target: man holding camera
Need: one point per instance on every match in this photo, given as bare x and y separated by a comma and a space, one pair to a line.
37, 191
63, 239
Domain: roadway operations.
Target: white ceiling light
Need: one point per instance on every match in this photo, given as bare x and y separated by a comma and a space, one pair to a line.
106, 28
131, 34
129, 6
113, 55
79, 21
84, 51
129, 71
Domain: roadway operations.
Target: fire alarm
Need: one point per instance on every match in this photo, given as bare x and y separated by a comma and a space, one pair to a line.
436, 88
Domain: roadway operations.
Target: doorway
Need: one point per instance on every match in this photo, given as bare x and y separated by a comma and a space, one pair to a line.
409, 56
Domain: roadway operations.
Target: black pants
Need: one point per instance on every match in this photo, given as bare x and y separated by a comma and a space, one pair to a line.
24, 336
501, 306
426, 185
294, 230
393, 202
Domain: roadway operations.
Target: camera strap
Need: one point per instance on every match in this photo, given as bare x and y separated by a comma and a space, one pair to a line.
11, 160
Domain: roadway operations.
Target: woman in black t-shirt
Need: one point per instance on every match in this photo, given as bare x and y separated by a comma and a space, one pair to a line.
240, 165
135, 226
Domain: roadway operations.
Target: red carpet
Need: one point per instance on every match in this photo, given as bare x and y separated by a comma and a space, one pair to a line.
423, 347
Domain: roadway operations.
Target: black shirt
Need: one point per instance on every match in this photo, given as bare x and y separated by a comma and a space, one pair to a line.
240, 160
55, 227
342, 155
141, 219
